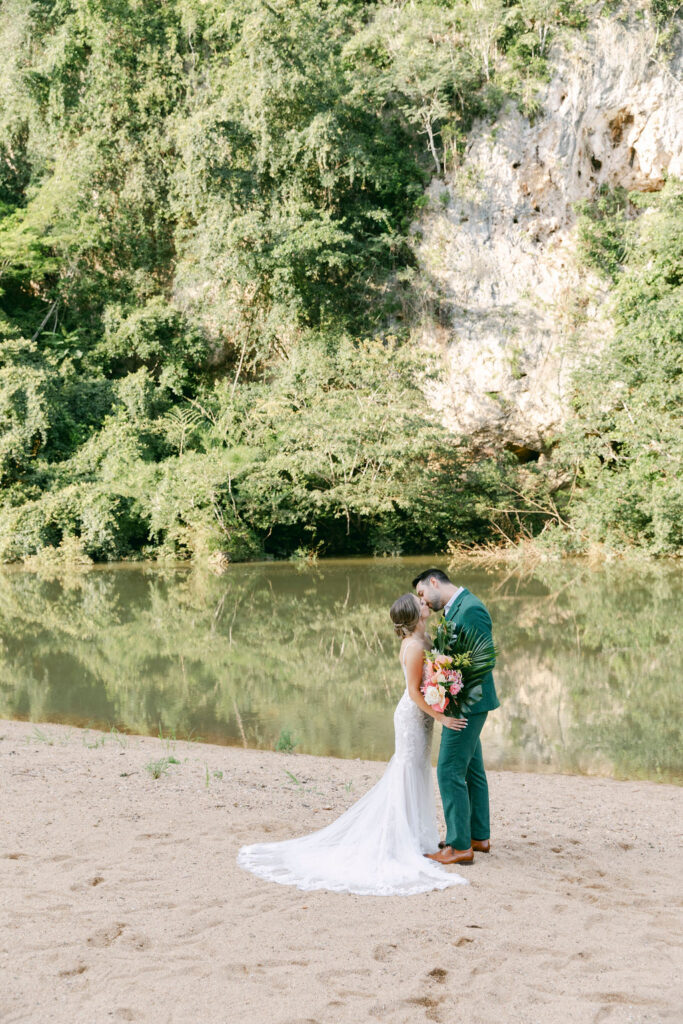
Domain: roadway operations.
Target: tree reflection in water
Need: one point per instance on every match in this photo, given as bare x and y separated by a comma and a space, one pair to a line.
588, 674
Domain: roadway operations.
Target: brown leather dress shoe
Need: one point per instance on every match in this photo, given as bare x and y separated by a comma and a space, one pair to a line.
450, 856
478, 845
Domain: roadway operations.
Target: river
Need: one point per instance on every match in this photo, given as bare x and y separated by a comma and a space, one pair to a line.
588, 674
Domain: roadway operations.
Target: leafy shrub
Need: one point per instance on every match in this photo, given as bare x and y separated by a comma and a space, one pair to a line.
625, 443
108, 524
602, 230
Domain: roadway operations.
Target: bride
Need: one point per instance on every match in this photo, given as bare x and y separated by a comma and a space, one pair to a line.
377, 846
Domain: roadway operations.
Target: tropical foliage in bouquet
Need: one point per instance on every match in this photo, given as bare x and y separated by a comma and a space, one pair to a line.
455, 669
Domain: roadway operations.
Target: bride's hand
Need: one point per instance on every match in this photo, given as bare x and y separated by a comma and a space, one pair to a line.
453, 723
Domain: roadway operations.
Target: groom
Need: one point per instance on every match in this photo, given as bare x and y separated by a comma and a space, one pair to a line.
460, 770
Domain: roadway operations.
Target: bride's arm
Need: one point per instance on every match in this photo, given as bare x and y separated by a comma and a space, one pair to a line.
414, 661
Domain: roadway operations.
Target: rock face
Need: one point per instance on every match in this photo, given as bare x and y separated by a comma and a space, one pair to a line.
496, 241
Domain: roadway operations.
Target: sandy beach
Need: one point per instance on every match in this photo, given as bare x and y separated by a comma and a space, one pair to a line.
122, 901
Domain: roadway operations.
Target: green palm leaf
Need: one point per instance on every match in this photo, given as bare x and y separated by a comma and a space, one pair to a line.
474, 654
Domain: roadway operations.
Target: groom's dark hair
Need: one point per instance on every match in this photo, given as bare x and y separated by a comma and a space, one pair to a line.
436, 574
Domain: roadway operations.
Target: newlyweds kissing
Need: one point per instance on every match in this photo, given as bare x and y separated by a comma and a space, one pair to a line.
388, 843
460, 771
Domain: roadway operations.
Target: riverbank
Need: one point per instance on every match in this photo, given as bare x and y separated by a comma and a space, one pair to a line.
122, 900
526, 554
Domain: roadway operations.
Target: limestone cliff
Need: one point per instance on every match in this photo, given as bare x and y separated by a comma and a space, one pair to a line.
496, 243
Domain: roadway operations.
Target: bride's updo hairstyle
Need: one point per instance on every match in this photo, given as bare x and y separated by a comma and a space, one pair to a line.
405, 614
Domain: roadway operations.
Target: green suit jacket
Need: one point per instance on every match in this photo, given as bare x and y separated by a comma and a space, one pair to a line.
468, 612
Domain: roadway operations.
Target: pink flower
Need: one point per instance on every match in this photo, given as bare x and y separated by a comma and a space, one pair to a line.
455, 688
442, 659
455, 677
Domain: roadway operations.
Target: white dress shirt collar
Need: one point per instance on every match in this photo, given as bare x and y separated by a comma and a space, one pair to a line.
457, 594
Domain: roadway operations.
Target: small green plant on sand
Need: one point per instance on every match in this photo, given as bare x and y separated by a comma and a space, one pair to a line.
41, 737
158, 768
285, 742
97, 742
314, 791
120, 737
208, 776
168, 741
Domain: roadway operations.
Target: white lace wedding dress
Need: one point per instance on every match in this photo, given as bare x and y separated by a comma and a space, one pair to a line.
377, 847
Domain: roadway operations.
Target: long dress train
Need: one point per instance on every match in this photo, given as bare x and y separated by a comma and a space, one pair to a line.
377, 846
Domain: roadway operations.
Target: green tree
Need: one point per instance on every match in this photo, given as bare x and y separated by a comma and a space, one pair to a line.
625, 442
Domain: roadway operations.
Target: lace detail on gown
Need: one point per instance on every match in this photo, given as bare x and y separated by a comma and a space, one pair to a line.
377, 846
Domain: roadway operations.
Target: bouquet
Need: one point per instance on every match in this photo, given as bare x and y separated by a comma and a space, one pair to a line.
454, 669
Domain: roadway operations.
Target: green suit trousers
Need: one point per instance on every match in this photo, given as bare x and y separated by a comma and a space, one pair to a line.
462, 784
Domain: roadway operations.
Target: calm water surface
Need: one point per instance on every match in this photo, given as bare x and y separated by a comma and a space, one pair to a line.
588, 677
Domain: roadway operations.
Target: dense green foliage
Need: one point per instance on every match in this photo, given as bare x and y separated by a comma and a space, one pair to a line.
204, 271
201, 207
335, 445
625, 443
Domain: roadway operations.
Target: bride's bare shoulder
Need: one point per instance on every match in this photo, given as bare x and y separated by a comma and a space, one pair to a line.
412, 649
